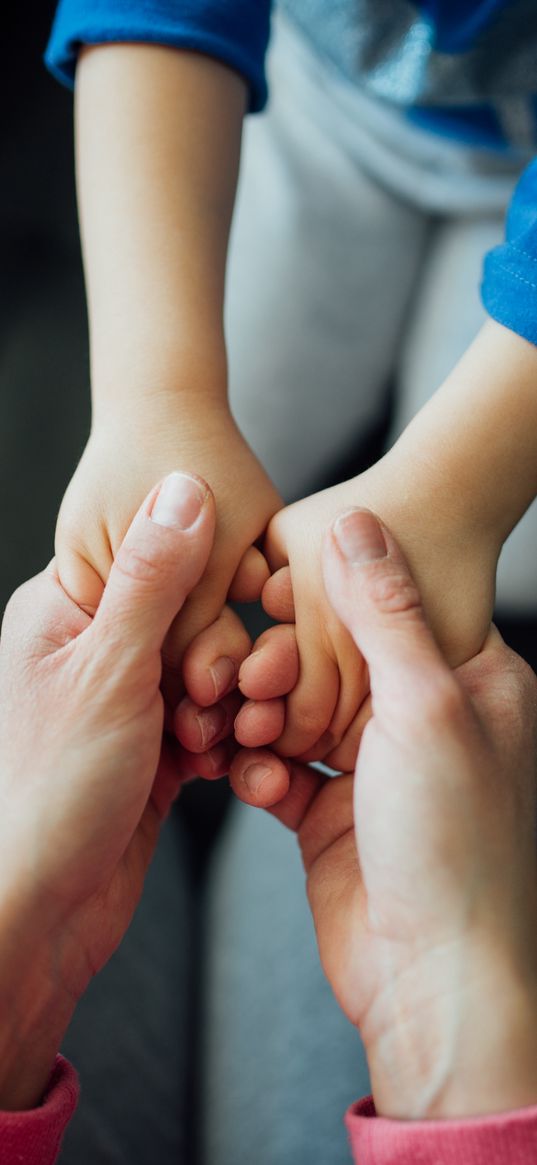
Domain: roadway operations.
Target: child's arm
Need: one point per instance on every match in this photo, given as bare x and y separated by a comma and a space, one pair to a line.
158, 139
452, 488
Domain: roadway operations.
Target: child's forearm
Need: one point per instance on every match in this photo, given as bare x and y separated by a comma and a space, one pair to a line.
474, 445
158, 142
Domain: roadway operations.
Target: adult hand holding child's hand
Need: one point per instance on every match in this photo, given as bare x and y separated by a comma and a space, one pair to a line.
121, 462
423, 878
85, 781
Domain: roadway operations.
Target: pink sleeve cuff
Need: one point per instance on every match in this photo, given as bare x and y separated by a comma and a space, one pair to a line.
493, 1140
34, 1137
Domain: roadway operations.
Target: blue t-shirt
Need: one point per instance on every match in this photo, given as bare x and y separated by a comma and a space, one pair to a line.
461, 68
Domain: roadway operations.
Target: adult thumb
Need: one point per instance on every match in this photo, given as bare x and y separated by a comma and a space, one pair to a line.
370, 587
160, 560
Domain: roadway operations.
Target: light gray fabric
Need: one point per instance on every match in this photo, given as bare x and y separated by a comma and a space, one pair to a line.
395, 51
282, 1063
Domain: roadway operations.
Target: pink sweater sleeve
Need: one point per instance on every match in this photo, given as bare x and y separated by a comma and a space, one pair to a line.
494, 1140
34, 1137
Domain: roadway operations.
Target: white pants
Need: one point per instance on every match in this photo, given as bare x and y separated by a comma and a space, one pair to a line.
355, 262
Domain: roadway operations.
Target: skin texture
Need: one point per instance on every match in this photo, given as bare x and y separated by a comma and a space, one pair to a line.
421, 870
433, 489
424, 899
85, 775
158, 141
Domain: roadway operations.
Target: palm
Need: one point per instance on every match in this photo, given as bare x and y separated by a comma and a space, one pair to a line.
337, 895
100, 920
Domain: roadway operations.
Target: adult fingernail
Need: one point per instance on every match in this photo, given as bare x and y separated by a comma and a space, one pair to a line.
359, 536
210, 723
254, 777
179, 501
222, 672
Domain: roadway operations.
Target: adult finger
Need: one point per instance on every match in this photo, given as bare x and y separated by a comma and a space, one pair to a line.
372, 591
304, 785
162, 557
259, 777
259, 722
40, 618
199, 728
277, 596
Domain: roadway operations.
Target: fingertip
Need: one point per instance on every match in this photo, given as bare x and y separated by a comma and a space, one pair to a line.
272, 669
199, 729
217, 761
212, 660
181, 501
259, 722
250, 577
359, 537
277, 596
259, 778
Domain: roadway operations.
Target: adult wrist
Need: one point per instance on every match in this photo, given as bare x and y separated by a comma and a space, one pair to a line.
462, 1047
39, 992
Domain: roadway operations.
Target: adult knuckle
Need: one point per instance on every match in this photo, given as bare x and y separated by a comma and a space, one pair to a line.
143, 567
394, 593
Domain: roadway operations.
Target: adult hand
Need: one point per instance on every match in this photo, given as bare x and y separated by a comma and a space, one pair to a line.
84, 779
424, 891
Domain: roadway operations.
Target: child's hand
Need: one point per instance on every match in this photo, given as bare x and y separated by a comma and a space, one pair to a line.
453, 561
121, 462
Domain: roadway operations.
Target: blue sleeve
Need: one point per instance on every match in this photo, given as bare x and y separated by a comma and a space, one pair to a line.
234, 31
509, 287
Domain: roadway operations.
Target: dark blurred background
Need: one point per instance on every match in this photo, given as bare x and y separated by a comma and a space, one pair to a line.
44, 400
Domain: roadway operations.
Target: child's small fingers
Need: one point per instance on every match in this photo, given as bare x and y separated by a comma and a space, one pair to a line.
250, 577
258, 777
343, 757
311, 704
273, 667
259, 722
212, 661
199, 729
353, 689
277, 596
305, 784
217, 761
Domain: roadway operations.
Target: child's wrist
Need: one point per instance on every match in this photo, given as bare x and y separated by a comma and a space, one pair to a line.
160, 381
474, 441
455, 508
158, 400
